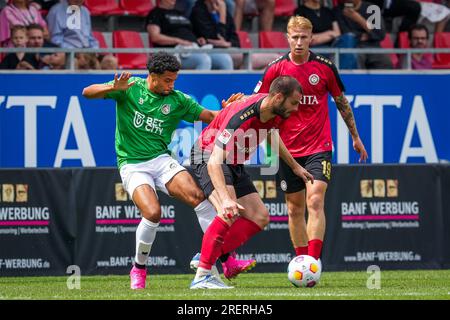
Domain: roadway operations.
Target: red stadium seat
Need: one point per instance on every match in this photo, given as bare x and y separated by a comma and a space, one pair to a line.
272, 39
101, 41
103, 7
442, 60
403, 40
244, 40
100, 38
136, 7
129, 39
285, 8
388, 44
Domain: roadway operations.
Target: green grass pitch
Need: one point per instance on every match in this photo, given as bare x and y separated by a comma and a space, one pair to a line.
405, 285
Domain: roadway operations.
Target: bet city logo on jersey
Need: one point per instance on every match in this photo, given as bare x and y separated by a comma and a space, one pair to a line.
151, 124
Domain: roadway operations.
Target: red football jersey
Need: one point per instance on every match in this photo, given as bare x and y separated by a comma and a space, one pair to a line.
238, 129
307, 131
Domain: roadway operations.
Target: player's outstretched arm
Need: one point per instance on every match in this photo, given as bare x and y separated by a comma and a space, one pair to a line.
97, 91
229, 206
301, 172
347, 114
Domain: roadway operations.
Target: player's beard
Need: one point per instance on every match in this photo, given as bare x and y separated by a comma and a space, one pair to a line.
281, 110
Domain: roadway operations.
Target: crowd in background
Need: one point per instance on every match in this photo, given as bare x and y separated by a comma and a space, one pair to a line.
196, 24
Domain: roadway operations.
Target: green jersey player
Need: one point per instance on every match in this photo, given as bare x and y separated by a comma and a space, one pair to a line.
148, 111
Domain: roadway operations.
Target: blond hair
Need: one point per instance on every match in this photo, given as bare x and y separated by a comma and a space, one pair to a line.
299, 22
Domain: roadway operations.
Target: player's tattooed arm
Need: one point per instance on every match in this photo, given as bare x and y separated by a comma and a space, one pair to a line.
347, 114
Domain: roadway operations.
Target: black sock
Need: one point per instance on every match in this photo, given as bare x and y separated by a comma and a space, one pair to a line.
224, 257
139, 266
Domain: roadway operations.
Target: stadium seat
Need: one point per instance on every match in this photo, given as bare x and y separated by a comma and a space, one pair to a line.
129, 39
442, 60
388, 44
103, 7
100, 38
272, 39
136, 7
403, 40
285, 8
244, 40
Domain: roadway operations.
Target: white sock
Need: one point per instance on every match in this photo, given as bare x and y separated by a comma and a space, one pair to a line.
145, 235
205, 214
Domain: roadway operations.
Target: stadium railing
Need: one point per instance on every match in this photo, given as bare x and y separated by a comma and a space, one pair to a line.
246, 52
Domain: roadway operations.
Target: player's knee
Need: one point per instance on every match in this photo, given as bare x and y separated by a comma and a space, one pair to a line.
263, 219
315, 204
196, 197
152, 213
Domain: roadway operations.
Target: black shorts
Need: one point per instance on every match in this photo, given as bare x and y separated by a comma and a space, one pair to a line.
235, 175
318, 164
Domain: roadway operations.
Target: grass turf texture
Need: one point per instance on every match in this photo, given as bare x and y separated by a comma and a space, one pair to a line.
414, 284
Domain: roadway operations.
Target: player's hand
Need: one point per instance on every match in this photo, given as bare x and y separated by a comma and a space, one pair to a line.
234, 97
121, 83
230, 209
304, 174
359, 147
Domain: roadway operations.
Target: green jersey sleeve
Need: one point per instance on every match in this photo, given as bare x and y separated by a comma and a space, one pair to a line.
193, 109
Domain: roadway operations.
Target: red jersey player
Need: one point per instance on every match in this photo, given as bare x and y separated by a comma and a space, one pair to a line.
217, 161
307, 134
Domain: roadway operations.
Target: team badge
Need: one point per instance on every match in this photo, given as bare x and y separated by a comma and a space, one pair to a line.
165, 109
225, 136
314, 79
283, 185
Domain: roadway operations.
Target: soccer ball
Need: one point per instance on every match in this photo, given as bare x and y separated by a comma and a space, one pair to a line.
304, 271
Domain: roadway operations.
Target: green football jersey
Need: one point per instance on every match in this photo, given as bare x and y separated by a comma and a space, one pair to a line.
145, 121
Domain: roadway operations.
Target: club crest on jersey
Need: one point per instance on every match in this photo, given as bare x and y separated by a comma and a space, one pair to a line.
165, 109
314, 79
225, 136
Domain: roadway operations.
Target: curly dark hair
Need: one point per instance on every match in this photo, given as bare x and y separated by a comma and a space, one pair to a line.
161, 62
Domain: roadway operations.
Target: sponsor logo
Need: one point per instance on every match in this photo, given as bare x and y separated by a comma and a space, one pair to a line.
382, 208
141, 101
258, 86
14, 193
173, 165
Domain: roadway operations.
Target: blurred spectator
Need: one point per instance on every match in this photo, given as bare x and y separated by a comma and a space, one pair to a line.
325, 26
168, 27
211, 21
418, 39
45, 4
36, 39
109, 62
408, 9
435, 13
18, 13
264, 8
86, 61
78, 35
352, 18
19, 60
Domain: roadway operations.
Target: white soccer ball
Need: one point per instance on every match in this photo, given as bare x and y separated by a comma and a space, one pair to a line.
304, 271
